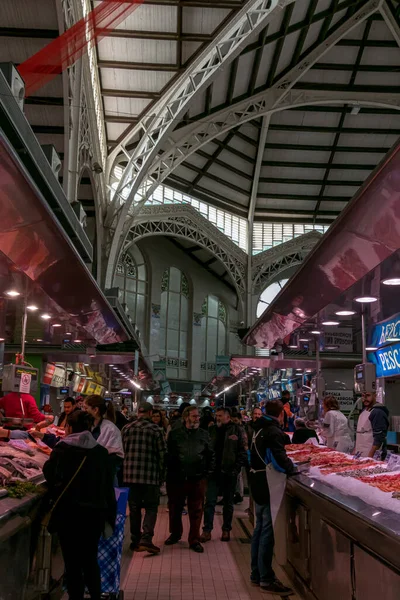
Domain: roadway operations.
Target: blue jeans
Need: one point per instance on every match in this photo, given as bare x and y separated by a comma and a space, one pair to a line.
262, 546
226, 485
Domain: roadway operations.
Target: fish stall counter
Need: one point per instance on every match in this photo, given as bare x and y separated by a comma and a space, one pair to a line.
30, 558
343, 530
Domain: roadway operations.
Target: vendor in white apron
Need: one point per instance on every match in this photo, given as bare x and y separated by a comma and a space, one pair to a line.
372, 427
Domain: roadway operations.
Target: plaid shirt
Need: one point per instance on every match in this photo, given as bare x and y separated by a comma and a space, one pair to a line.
145, 448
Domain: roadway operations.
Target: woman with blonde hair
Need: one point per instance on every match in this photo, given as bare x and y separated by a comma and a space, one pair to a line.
335, 427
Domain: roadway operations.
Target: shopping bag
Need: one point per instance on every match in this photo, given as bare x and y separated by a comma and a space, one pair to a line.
110, 549
277, 486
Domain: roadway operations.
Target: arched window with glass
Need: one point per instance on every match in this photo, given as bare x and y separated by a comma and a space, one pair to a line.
174, 322
214, 332
131, 278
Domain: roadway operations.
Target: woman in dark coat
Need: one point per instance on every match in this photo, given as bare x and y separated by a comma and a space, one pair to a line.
81, 491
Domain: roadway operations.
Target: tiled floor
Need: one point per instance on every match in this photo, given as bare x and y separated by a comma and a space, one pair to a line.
221, 573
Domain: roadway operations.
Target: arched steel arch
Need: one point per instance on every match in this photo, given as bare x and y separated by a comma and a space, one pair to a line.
268, 264
143, 175
185, 222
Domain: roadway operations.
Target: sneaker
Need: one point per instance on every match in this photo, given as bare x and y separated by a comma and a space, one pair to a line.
205, 537
148, 547
226, 536
172, 540
196, 547
276, 587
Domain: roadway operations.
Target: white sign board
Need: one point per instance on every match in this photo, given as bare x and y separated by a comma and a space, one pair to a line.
25, 383
344, 397
342, 337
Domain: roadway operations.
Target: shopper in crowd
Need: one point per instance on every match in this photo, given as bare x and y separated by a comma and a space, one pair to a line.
178, 421
256, 414
237, 418
230, 456
335, 426
69, 407
190, 461
165, 419
104, 430
207, 418
121, 418
372, 427
144, 470
159, 420
287, 415
303, 433
268, 445
16, 405
81, 493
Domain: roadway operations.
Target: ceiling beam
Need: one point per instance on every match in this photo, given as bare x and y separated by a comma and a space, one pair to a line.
279, 44
157, 35
137, 66
326, 148
326, 129
256, 175
203, 171
361, 68
316, 165
302, 197
308, 181
120, 119
21, 32
45, 100
342, 87
391, 21
110, 93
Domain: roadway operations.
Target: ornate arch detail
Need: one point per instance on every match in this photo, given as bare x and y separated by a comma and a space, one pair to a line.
185, 222
268, 264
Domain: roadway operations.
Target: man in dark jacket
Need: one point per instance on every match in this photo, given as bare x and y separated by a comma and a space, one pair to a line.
372, 428
190, 460
81, 491
69, 407
268, 445
227, 440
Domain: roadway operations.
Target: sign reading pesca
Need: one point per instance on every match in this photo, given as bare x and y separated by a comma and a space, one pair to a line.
385, 332
387, 361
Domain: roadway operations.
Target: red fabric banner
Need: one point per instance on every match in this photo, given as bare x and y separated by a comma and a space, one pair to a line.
64, 51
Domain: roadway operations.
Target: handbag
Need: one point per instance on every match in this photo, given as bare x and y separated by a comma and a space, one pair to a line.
47, 517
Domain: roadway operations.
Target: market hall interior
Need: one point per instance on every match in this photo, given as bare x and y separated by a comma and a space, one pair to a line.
199, 292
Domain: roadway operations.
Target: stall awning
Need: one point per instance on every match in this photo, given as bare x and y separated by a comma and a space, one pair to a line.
366, 233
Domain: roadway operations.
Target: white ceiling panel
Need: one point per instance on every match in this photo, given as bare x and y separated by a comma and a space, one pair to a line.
296, 155
381, 56
321, 76
286, 188
148, 17
358, 158
124, 107
188, 49
244, 73
137, 51
202, 20
25, 13
305, 138
128, 79
341, 56
226, 192
115, 130
293, 173
287, 52
285, 205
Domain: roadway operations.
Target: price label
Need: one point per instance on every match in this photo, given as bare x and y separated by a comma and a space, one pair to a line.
25, 383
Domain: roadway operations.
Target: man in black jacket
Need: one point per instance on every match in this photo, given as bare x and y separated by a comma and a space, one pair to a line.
190, 460
267, 445
228, 443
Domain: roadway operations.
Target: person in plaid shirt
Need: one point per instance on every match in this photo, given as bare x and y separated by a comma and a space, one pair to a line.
144, 466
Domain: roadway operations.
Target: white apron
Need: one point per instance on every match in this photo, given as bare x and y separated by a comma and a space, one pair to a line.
365, 436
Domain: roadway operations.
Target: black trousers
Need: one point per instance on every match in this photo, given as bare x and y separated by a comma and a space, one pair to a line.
147, 497
79, 540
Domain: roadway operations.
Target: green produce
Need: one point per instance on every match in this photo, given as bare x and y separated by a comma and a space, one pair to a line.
19, 489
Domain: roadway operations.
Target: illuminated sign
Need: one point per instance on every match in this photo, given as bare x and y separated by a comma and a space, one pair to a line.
385, 332
387, 361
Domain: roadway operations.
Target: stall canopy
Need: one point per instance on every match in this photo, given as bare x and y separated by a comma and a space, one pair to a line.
365, 234
38, 258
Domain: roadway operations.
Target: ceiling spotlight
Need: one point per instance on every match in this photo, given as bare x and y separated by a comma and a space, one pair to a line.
32, 307
2, 339
13, 293
293, 346
394, 281
330, 323
366, 299
39, 340
304, 340
56, 325
331, 347
68, 334
77, 341
394, 339
110, 365
371, 349
345, 313
301, 370
46, 317
315, 332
